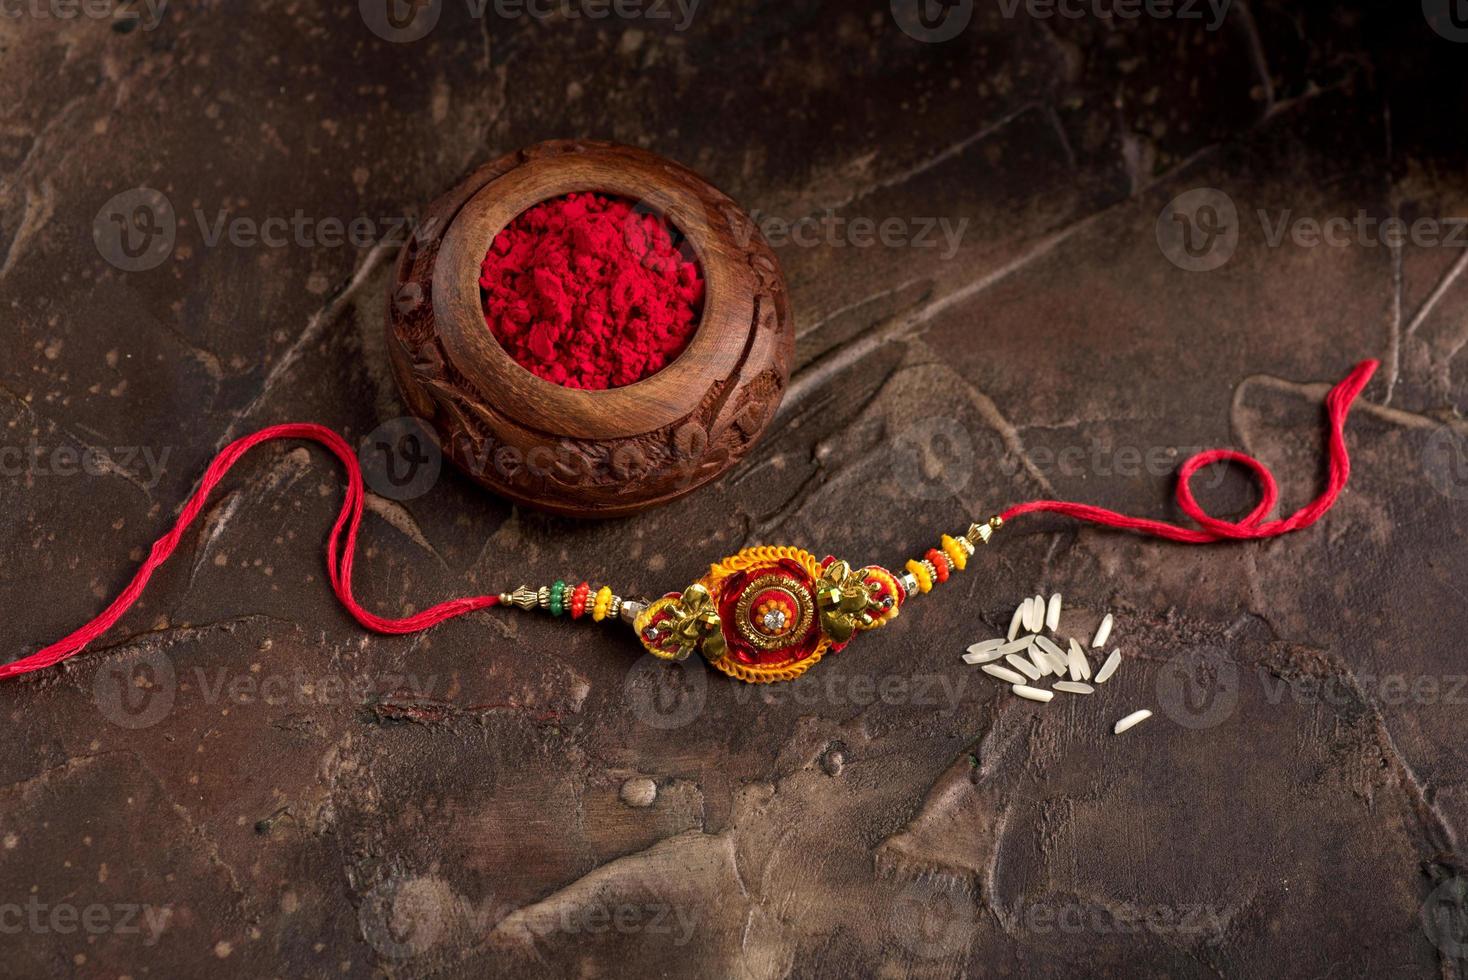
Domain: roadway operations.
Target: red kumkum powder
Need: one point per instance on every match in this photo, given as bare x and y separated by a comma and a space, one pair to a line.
587, 292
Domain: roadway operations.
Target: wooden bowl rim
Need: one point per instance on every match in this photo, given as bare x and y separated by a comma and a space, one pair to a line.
661, 399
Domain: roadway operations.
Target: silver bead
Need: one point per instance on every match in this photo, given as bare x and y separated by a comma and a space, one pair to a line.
631, 610
908, 581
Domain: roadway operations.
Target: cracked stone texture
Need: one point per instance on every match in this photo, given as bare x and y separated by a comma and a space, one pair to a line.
508, 796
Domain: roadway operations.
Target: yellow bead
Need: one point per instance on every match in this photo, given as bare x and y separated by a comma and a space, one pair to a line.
957, 557
920, 572
603, 601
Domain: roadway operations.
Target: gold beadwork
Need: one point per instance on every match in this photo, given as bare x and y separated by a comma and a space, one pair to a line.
798, 596
981, 533
523, 598
845, 600
751, 558
674, 626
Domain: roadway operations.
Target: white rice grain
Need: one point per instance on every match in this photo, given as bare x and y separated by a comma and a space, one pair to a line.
1041, 662
1103, 632
1075, 660
986, 647
1003, 673
1073, 687
1131, 721
1029, 616
981, 656
1017, 646
1039, 614
1054, 654
1052, 616
1033, 693
1109, 667
1017, 619
1023, 666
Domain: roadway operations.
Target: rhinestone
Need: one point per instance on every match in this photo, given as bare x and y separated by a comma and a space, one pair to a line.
774, 620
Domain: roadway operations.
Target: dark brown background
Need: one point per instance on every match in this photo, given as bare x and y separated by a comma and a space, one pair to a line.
893, 814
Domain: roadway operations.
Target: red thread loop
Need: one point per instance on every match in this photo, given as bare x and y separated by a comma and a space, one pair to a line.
338, 556
1337, 406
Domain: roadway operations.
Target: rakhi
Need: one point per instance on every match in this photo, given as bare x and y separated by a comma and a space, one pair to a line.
766, 613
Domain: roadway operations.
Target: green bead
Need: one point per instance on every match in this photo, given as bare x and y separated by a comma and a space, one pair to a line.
557, 598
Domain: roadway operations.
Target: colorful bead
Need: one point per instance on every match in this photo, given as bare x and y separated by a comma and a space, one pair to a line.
939, 563
578, 600
601, 603
920, 575
957, 556
557, 598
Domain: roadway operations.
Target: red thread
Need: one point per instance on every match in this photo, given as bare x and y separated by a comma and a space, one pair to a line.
587, 291
1337, 406
338, 559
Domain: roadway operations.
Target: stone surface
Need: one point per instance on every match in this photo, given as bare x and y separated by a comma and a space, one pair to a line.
237, 779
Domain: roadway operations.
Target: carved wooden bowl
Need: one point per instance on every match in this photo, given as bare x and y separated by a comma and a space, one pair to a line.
589, 453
